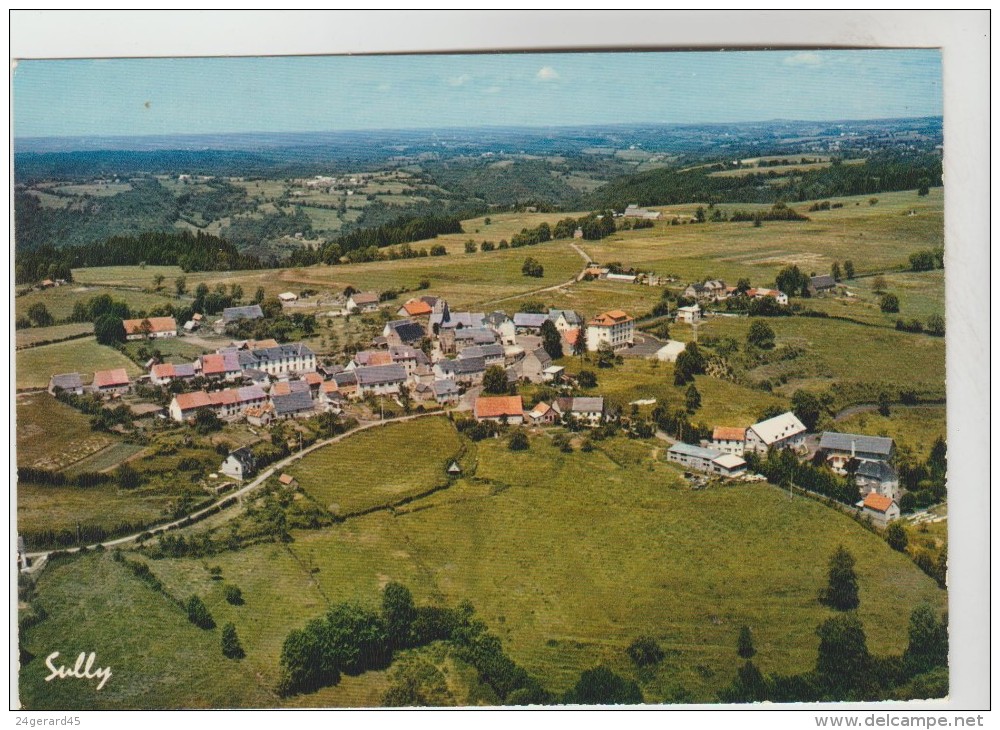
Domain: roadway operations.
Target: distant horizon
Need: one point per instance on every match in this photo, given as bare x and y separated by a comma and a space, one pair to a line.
328, 94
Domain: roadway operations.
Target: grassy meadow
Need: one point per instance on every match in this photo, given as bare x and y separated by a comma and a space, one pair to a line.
915, 427
60, 300
36, 365
33, 335
567, 557
52, 435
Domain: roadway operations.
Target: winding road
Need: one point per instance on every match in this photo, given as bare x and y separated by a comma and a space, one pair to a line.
583, 254
257, 482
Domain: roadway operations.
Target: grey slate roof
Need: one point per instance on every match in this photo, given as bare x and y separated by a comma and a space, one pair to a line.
452, 320
823, 282
495, 319
465, 366
255, 358
381, 374
877, 470
590, 404
234, 314
345, 378
257, 376
696, 451
529, 319
445, 387
250, 393
571, 316
293, 402
831, 440
543, 356
476, 335
407, 330
245, 457
484, 351
67, 381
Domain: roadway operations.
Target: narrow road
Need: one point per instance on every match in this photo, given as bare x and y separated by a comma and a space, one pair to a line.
260, 479
583, 254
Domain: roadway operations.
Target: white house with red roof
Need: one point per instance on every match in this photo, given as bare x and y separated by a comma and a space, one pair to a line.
614, 328
881, 509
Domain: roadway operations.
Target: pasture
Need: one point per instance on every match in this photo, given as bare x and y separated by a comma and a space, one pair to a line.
60, 300
34, 335
567, 557
345, 478
36, 365
52, 435
915, 427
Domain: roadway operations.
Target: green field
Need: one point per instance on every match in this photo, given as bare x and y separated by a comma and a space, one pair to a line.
567, 557
34, 335
60, 300
96, 605
36, 365
43, 507
51, 435
347, 479
920, 295
915, 427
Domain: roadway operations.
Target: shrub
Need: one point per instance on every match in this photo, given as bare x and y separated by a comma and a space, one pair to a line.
234, 595
198, 613
231, 646
645, 651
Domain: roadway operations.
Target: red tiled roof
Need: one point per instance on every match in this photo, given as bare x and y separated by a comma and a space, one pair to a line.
878, 502
281, 388
571, 336
190, 401
417, 308
329, 386
497, 406
286, 479
110, 378
156, 324
607, 319
163, 370
213, 364
729, 433
262, 344
313, 378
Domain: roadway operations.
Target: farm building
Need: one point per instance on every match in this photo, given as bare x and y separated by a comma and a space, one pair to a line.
779, 296
492, 354
415, 308
380, 379
503, 325
729, 440
445, 391
532, 366
467, 371
565, 319
634, 211
68, 382
235, 314
706, 460
219, 365
362, 301
622, 278
224, 403
781, 432
543, 415
839, 448
670, 351
529, 323
292, 405
403, 332
590, 410
280, 360
150, 327
502, 408
111, 381
288, 296
881, 509
470, 337
821, 284
614, 328
240, 464
689, 315
447, 319
165, 373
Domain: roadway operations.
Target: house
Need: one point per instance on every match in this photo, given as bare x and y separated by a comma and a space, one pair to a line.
501, 409
292, 405
532, 366
729, 440
288, 296
529, 323
226, 404
446, 319
689, 315
280, 360
821, 284
165, 373
634, 211
622, 278
492, 354
362, 302
467, 371
696, 291
257, 377
454, 470
877, 476
255, 344
347, 383
240, 464
284, 387
670, 351
781, 432
415, 308
543, 415
614, 328
779, 296
219, 365
839, 448
260, 415
504, 326
329, 393
570, 338
711, 461
553, 373
881, 509
369, 358
590, 409
235, 314
68, 382
111, 381
403, 332
409, 357
437, 304
728, 465
150, 327
470, 337
380, 379
445, 391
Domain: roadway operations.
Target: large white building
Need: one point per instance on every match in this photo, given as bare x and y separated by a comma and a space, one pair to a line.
615, 328
781, 432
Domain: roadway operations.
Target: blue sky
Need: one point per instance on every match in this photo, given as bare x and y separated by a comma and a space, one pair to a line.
301, 94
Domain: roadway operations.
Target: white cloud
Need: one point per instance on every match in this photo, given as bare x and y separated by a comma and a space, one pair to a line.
547, 73
459, 80
804, 59
493, 90
384, 86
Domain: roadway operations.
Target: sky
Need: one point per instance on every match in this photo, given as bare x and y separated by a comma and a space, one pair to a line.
134, 97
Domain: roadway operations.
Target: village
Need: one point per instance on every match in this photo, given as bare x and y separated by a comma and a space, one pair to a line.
430, 358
